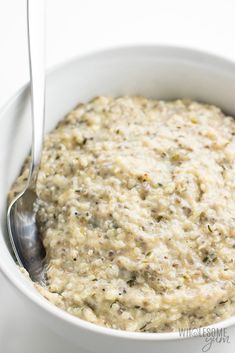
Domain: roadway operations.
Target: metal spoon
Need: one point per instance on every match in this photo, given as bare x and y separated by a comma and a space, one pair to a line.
21, 216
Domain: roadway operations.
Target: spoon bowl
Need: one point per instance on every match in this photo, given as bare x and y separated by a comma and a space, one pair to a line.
24, 235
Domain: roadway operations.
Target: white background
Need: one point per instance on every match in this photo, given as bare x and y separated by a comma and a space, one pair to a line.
75, 27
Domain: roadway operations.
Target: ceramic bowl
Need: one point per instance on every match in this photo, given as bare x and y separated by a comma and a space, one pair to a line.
152, 71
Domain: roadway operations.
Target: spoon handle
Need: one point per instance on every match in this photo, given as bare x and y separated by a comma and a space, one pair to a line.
36, 45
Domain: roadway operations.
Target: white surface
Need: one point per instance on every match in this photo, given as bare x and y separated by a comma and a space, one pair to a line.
75, 27
78, 26
20, 333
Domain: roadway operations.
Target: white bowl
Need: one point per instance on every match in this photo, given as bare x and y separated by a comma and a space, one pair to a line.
158, 72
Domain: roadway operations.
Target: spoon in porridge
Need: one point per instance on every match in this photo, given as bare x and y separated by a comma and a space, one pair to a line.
21, 216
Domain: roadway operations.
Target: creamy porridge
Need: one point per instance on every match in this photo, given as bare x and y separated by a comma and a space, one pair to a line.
136, 206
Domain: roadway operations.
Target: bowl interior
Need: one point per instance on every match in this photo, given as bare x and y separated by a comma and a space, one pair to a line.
155, 72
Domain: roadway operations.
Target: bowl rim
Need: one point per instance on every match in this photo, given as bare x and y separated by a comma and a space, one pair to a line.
40, 301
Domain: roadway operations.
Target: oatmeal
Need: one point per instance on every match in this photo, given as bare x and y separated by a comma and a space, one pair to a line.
136, 206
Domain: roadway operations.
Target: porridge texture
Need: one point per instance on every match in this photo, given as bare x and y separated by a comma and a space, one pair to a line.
136, 206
